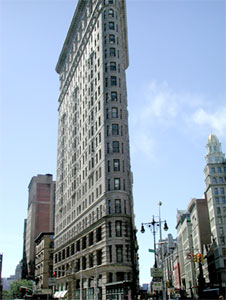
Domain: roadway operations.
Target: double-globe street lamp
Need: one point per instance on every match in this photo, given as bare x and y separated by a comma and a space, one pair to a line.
152, 226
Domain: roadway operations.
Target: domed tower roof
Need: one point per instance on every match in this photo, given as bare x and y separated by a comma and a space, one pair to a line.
212, 138
214, 152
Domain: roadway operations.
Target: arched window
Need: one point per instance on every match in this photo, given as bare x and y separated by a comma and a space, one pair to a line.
111, 13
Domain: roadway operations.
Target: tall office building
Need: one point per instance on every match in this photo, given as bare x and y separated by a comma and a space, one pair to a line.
40, 215
215, 178
95, 242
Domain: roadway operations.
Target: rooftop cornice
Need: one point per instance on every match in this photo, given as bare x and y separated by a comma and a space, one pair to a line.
74, 25
72, 29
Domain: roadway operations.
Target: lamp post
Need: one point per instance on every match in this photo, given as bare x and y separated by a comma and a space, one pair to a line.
152, 226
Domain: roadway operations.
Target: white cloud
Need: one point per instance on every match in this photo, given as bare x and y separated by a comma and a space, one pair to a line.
216, 120
164, 108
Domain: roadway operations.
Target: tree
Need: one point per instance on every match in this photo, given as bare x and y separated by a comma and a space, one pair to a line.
16, 288
5, 295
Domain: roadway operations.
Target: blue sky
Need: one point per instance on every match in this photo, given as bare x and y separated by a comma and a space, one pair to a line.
176, 97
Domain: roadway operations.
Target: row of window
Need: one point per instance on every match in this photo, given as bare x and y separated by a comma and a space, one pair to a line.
221, 220
221, 210
114, 165
215, 170
111, 52
121, 229
115, 184
113, 97
114, 130
115, 147
113, 113
81, 263
81, 244
112, 66
218, 191
113, 81
219, 180
111, 39
220, 200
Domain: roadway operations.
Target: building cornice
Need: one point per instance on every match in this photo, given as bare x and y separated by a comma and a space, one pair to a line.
73, 29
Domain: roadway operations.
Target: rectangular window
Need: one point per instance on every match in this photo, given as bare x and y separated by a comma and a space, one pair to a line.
98, 234
116, 165
83, 262
109, 207
109, 229
114, 112
220, 179
119, 253
111, 25
112, 66
91, 238
99, 257
78, 245
111, 38
109, 184
215, 191
118, 206
118, 228
91, 261
219, 170
217, 200
222, 190
212, 170
218, 210
112, 52
113, 96
115, 146
117, 184
109, 169
115, 129
84, 242
126, 229
223, 200
222, 239
219, 220
127, 253
221, 230
110, 253
73, 249
113, 81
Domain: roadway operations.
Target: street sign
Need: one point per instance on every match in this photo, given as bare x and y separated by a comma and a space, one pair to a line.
156, 272
51, 281
157, 286
151, 250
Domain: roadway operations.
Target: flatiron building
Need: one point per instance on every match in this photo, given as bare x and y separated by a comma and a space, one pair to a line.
95, 254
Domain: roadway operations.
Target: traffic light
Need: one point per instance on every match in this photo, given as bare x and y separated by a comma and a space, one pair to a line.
195, 258
200, 258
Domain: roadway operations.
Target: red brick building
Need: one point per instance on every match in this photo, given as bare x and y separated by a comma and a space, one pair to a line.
40, 216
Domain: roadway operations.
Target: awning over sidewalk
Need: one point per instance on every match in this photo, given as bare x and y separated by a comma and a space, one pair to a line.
60, 294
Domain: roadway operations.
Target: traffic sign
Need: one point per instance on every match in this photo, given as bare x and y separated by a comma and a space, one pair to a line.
51, 281
156, 272
157, 286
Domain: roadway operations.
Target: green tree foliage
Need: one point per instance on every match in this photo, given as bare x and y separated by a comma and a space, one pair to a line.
15, 292
5, 295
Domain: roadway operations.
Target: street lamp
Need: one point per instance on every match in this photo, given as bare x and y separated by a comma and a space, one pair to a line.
152, 226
